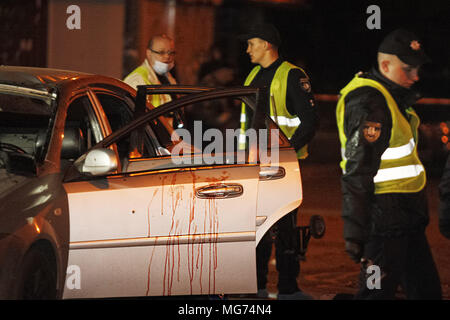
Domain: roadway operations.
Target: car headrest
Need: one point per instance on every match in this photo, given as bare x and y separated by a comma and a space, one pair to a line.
74, 143
40, 141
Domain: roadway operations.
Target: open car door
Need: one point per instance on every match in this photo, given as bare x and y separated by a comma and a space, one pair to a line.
180, 215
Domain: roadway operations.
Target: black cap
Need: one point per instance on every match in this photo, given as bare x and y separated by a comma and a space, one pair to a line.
264, 31
406, 46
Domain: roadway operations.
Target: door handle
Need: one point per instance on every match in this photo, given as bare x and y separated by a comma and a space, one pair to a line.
271, 173
220, 191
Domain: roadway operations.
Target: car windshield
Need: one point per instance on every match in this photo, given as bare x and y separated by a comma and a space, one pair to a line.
24, 122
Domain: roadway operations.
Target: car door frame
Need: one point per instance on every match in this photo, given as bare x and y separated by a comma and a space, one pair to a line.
107, 142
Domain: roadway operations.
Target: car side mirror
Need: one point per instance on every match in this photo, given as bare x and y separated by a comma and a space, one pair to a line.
97, 162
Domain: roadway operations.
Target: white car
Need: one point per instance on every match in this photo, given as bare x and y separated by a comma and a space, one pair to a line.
102, 197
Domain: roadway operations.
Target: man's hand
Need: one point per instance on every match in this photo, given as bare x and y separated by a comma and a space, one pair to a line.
354, 250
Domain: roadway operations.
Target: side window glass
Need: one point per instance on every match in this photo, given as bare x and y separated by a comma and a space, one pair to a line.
81, 131
117, 111
136, 145
211, 134
211, 127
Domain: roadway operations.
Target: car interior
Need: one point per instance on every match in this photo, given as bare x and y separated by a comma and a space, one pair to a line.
24, 124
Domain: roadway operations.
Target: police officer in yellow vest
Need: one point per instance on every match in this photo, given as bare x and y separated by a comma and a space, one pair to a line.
160, 59
384, 201
292, 108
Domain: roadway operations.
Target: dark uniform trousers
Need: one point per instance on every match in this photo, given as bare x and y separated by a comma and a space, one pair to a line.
287, 260
404, 260
403, 254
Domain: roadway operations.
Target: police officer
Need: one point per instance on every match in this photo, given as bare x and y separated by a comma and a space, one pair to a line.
291, 105
384, 202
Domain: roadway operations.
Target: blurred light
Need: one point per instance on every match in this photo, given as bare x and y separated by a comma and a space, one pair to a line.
38, 230
32, 220
444, 139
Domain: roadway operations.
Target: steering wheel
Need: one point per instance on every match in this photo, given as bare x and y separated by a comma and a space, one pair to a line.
11, 147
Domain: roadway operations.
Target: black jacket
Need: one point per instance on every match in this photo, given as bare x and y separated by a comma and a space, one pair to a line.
444, 196
363, 212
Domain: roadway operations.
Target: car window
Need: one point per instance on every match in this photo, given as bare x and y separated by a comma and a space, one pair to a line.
203, 133
190, 136
116, 109
81, 130
24, 124
119, 113
200, 124
216, 126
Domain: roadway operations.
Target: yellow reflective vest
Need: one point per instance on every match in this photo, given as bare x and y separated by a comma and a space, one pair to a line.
287, 122
400, 167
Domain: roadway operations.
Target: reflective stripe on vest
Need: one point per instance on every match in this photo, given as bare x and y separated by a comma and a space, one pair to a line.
399, 152
278, 113
396, 173
400, 167
392, 153
286, 122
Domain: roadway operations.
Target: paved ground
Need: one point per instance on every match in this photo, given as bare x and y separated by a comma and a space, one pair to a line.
327, 270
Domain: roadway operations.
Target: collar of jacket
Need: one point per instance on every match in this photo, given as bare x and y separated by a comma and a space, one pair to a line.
273, 66
405, 97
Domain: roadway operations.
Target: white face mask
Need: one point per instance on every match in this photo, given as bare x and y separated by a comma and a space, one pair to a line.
162, 68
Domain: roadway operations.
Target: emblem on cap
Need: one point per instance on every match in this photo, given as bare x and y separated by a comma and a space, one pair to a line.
415, 45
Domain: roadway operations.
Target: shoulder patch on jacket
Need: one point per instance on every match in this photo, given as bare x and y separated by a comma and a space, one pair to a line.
305, 84
371, 131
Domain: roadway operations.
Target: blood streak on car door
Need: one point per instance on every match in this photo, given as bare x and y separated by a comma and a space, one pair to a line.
165, 232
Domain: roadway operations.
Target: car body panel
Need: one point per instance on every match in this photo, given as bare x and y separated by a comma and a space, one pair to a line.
39, 213
152, 227
34, 208
275, 199
183, 237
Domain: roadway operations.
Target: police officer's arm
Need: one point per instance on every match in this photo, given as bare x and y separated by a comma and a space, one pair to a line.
300, 101
365, 112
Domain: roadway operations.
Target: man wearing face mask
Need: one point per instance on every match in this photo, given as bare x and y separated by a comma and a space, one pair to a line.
156, 67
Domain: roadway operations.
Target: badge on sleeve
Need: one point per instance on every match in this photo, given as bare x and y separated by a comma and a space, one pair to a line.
372, 131
306, 86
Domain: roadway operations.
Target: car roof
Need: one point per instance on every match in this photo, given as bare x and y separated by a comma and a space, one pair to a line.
36, 78
44, 81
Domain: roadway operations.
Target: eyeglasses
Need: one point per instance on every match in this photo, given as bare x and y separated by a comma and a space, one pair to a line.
162, 53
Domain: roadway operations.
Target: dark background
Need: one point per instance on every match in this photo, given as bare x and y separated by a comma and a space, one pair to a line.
330, 38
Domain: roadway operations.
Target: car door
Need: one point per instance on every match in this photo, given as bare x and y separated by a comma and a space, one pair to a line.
164, 225
280, 184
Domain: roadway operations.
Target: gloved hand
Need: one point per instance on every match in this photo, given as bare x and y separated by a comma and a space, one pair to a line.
444, 227
354, 250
